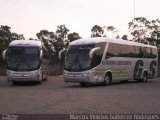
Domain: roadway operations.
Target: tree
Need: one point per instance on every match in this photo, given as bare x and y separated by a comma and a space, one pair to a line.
54, 41
61, 43
97, 31
125, 37
110, 31
145, 31
6, 36
73, 36
154, 38
139, 29
47, 38
32, 39
61, 38
15, 36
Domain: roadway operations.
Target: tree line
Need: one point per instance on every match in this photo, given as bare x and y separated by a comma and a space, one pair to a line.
141, 30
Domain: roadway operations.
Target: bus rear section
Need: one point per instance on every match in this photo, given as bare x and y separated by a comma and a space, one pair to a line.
131, 61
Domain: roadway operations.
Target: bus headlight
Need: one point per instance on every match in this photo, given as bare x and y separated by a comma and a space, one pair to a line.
35, 73
87, 74
96, 77
84, 75
10, 73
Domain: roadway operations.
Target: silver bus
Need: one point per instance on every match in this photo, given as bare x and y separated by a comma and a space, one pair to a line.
25, 61
103, 60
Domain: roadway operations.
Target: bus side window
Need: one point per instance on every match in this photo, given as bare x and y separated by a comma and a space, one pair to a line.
149, 53
112, 51
140, 52
154, 53
144, 51
108, 55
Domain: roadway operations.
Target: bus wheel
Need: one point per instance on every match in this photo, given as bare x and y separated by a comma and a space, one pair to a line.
14, 82
145, 78
107, 79
82, 84
39, 82
44, 77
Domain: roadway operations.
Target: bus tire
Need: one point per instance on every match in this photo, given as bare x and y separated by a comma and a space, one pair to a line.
82, 84
107, 79
145, 77
14, 82
44, 78
39, 82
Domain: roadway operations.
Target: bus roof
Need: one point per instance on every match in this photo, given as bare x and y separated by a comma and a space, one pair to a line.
105, 39
29, 43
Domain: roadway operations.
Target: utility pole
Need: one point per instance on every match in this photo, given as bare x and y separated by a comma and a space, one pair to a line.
134, 9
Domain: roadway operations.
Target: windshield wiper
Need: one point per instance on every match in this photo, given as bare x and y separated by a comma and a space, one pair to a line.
73, 63
22, 61
77, 61
26, 63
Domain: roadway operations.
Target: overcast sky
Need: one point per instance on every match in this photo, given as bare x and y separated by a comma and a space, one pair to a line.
28, 17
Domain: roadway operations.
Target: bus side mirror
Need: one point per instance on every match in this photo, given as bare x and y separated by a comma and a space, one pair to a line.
41, 54
60, 53
4, 54
92, 51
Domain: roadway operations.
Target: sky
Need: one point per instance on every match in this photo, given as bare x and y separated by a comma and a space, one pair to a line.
28, 17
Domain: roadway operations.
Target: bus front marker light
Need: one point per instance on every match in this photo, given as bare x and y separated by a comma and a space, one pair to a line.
10, 73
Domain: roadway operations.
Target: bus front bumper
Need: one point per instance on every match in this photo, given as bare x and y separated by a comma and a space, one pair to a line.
79, 77
23, 76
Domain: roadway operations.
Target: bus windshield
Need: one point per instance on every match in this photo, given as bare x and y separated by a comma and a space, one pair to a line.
23, 58
77, 57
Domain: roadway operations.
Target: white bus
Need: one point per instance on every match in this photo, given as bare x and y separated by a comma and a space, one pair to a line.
25, 61
103, 60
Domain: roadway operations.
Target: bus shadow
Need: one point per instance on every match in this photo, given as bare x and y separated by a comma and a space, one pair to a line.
112, 84
25, 83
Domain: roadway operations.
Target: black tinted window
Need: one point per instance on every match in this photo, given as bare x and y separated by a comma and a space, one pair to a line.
120, 50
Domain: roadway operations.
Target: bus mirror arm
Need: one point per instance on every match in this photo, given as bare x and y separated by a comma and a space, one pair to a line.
60, 53
92, 51
4, 54
41, 54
